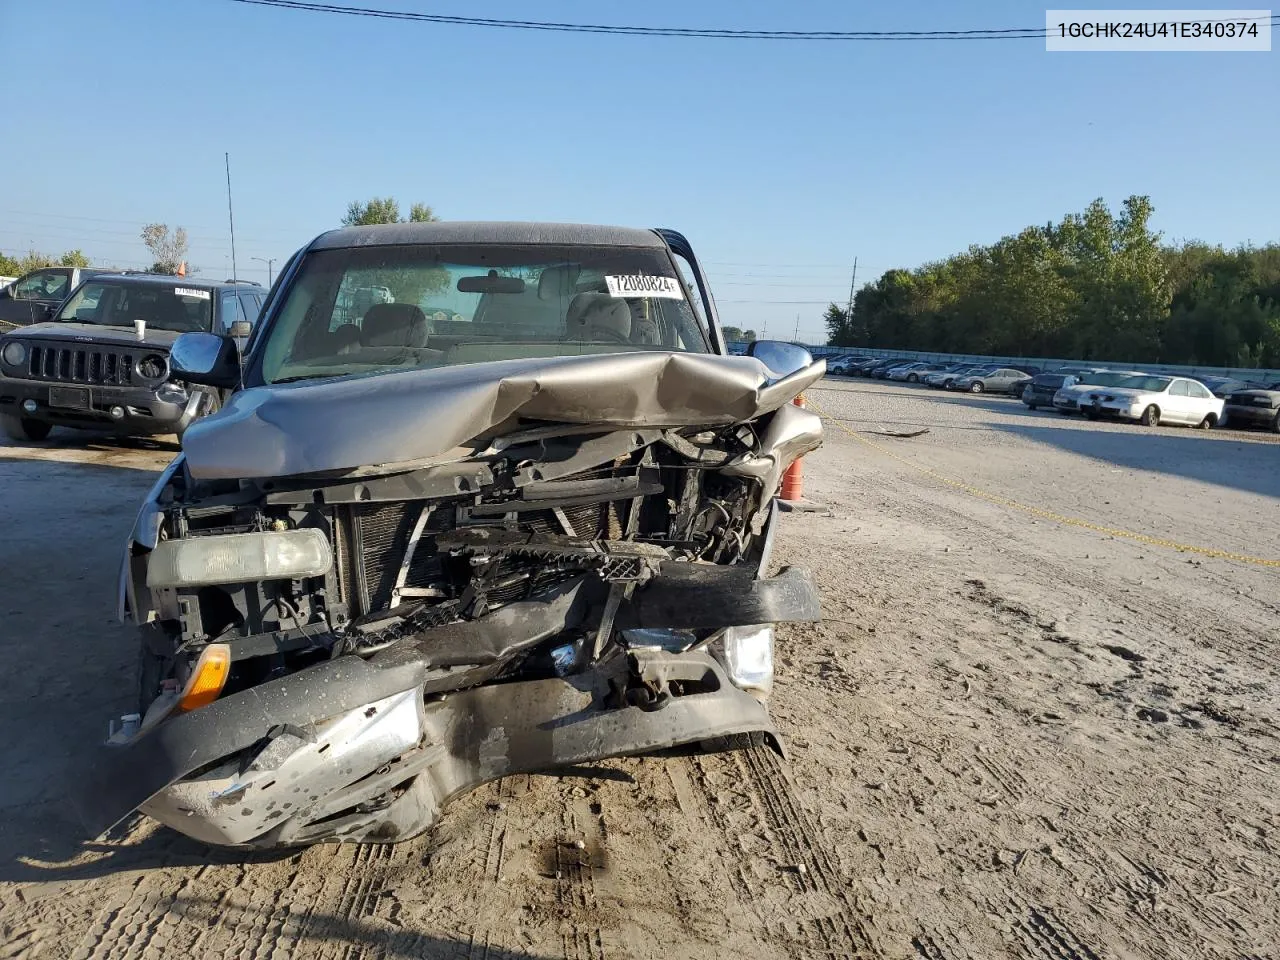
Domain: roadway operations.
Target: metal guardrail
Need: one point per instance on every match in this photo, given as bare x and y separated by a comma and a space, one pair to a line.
1048, 363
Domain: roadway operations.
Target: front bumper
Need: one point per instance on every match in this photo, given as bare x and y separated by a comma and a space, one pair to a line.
88, 406
417, 720
1252, 415
1122, 411
347, 751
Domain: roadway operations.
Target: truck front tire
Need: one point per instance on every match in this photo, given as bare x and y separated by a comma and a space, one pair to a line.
20, 428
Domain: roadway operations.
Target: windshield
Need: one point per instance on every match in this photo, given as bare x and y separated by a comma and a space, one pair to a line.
1104, 379
373, 309
160, 306
1148, 384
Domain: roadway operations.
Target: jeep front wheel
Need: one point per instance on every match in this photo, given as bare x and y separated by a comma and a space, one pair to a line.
20, 428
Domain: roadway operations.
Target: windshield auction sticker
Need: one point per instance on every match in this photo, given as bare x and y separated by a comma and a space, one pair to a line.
191, 292
665, 288
1137, 31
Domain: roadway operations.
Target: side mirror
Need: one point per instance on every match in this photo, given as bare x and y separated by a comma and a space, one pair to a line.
782, 358
205, 358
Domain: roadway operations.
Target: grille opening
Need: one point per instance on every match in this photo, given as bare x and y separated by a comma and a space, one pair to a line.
77, 364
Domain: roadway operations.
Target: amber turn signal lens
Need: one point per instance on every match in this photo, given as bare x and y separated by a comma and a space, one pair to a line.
208, 678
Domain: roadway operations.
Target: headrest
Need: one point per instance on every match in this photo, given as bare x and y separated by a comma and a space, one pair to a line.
394, 325
598, 316
558, 283
644, 329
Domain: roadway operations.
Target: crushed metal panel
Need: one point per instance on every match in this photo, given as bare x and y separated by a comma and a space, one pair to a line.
415, 415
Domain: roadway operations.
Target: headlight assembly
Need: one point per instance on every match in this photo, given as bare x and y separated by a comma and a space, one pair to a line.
239, 558
153, 366
748, 654
15, 353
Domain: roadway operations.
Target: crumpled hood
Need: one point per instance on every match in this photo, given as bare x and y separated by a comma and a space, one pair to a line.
97, 333
418, 415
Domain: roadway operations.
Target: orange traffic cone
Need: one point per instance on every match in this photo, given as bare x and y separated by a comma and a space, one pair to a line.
182, 269
793, 480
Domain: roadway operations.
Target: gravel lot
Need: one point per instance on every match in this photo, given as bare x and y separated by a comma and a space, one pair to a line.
1029, 726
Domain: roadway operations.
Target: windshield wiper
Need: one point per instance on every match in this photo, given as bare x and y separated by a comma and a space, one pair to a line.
300, 376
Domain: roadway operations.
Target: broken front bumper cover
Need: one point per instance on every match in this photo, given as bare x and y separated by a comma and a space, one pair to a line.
369, 750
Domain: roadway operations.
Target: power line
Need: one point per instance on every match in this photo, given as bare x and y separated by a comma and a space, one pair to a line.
769, 263
819, 302
1013, 33
116, 220
107, 236
60, 230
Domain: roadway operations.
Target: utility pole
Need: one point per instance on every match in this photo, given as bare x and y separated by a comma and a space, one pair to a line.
797, 336
268, 261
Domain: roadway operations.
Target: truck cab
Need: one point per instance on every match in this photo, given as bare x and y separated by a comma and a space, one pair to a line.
33, 297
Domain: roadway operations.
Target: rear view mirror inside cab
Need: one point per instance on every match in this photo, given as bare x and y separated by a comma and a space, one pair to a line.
490, 284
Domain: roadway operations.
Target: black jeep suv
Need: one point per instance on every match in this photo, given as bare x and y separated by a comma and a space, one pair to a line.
103, 362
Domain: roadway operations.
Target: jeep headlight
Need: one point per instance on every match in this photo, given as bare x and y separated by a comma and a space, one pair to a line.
239, 558
152, 366
15, 353
748, 655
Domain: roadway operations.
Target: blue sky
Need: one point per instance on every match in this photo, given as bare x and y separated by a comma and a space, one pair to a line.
780, 161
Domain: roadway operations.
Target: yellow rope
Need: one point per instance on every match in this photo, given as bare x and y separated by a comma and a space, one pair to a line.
1049, 514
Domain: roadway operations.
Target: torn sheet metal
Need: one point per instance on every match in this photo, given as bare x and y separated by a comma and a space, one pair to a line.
792, 432
421, 414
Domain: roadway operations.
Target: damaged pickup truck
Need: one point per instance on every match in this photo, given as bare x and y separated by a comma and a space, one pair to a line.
419, 549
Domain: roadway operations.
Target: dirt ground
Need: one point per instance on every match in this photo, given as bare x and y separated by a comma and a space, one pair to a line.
1030, 725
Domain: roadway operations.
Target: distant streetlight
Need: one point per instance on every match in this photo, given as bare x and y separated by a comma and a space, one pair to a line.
268, 261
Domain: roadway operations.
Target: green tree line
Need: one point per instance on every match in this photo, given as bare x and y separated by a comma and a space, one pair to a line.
34, 260
1094, 286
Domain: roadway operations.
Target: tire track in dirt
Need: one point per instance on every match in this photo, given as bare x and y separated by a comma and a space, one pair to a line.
1182, 642
938, 943
1038, 932
575, 884
1260, 651
822, 919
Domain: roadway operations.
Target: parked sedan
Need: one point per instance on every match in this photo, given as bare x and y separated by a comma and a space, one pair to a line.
1225, 386
1154, 400
938, 378
998, 380
1254, 408
870, 368
1039, 390
882, 371
912, 372
842, 366
1067, 399
947, 381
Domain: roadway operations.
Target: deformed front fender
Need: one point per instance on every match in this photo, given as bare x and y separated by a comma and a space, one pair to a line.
145, 534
